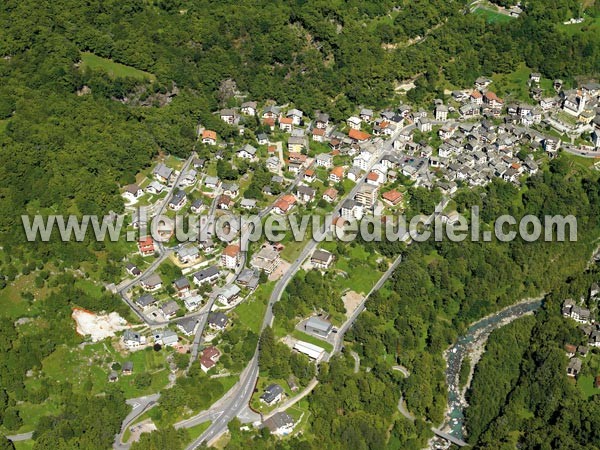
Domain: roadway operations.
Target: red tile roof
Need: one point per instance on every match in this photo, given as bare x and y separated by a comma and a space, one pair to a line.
209, 134
232, 250
358, 135
393, 196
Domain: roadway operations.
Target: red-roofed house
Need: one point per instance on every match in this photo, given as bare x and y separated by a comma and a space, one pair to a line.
318, 134
309, 175
230, 256
284, 204
337, 174
393, 197
209, 358
358, 136
476, 98
286, 124
209, 137
490, 98
373, 178
330, 195
146, 246
270, 122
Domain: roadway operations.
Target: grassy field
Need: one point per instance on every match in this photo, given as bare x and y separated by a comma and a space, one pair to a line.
589, 25
586, 386
312, 340
114, 69
492, 16
358, 270
252, 311
513, 86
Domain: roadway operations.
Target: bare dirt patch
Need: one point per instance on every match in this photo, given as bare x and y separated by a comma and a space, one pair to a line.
351, 301
96, 326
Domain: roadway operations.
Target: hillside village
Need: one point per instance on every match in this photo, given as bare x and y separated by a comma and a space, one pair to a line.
285, 161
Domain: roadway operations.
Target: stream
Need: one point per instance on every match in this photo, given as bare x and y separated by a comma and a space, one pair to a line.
468, 344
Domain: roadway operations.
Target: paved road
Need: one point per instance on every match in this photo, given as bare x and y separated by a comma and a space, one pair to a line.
248, 381
20, 437
139, 406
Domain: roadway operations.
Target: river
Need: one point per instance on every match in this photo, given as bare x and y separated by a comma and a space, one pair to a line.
468, 344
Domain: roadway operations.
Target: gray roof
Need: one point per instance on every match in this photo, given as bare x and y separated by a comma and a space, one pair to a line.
278, 420
146, 300
188, 325
162, 171
271, 392
171, 307
177, 197
248, 148
130, 335
322, 255
153, 280
128, 366
319, 324
206, 273
217, 318
182, 283
366, 112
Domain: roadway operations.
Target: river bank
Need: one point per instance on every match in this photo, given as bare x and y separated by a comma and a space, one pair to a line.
472, 344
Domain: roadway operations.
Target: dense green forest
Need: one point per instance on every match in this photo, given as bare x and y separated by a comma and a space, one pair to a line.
521, 396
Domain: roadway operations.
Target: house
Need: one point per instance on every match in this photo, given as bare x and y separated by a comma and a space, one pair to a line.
163, 173
132, 339
182, 287
366, 114
284, 204
178, 200
187, 326
224, 202
305, 194
286, 124
188, 178
272, 163
217, 321
209, 137
211, 182
192, 302
491, 99
324, 160
570, 350
113, 377
197, 206
316, 325
272, 394
127, 368
535, 77
321, 259
154, 187
207, 245
574, 367
372, 179
208, 275
249, 108
351, 209
330, 195
248, 203
209, 358
482, 82
358, 136
367, 195
353, 174
132, 192
425, 125
309, 175
246, 152
267, 259
354, 122
392, 197
336, 175
280, 424
230, 189
227, 295
152, 283
271, 112
318, 134
322, 121
169, 309
441, 112
476, 98
295, 143
249, 278
188, 254
166, 337
295, 115
132, 270
146, 301
227, 116
262, 139
230, 257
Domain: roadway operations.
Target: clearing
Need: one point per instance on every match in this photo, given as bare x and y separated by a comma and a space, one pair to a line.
112, 68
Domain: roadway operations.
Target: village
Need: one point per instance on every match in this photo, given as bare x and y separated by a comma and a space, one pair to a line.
290, 163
